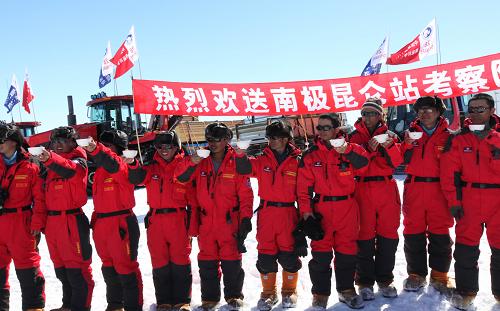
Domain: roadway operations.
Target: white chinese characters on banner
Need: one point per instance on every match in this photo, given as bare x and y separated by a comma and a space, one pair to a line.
469, 78
165, 98
284, 99
255, 100
342, 96
408, 93
495, 71
195, 99
225, 100
439, 83
314, 98
379, 91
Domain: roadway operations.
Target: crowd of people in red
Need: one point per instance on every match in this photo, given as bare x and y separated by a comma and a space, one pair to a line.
340, 193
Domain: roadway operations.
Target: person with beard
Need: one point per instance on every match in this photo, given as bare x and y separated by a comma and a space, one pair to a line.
66, 228
379, 219
170, 223
276, 172
470, 177
425, 211
20, 193
225, 199
115, 226
325, 190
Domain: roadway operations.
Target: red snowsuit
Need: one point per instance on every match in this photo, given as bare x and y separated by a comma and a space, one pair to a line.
225, 198
379, 205
326, 184
278, 193
169, 227
424, 205
116, 231
66, 227
470, 177
23, 186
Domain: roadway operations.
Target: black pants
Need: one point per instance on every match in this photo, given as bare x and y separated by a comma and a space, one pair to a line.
233, 276
416, 253
173, 284
75, 288
320, 271
289, 261
32, 285
375, 260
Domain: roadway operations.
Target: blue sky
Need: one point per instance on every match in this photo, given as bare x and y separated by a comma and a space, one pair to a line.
62, 43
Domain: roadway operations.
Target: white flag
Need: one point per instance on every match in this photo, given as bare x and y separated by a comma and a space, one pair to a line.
427, 40
106, 68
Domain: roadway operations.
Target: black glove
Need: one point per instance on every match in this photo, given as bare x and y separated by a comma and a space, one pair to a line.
245, 228
312, 227
300, 245
457, 212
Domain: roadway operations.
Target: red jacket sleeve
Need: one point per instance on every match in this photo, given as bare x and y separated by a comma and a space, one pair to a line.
39, 218
65, 168
305, 184
493, 141
194, 220
185, 170
245, 197
395, 154
450, 173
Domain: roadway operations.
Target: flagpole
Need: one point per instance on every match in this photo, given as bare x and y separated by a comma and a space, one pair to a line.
19, 108
140, 71
438, 54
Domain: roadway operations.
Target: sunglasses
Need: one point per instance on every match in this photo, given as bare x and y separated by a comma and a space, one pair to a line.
477, 109
59, 140
324, 127
214, 140
369, 113
425, 110
273, 137
164, 146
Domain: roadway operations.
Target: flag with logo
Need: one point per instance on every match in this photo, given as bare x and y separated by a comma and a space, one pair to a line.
423, 45
377, 60
12, 96
106, 68
27, 94
127, 55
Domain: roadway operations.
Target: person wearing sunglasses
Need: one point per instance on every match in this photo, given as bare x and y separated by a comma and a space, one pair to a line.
325, 189
470, 177
225, 200
170, 223
66, 228
20, 194
379, 219
114, 224
276, 173
425, 211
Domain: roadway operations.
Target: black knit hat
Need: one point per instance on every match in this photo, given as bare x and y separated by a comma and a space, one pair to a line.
373, 104
167, 138
64, 132
11, 132
218, 130
430, 101
114, 137
279, 129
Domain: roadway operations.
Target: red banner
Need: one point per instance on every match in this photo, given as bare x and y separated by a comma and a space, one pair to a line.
317, 96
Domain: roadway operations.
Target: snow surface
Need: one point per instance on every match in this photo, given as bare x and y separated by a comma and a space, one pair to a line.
428, 299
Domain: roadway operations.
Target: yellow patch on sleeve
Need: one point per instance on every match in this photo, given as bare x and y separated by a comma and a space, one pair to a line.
110, 188
227, 175
108, 180
346, 173
22, 185
291, 173
20, 177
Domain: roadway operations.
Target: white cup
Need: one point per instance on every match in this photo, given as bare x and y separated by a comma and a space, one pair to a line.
338, 142
203, 153
476, 127
83, 142
36, 151
415, 135
130, 154
243, 144
382, 138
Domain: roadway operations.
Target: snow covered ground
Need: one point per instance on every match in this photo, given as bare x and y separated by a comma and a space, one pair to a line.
429, 299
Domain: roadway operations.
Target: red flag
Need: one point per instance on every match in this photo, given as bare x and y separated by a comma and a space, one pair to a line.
127, 54
27, 95
423, 45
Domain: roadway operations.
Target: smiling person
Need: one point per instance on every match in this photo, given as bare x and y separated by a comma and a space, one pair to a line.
379, 219
225, 198
168, 223
425, 209
470, 177
325, 189
115, 226
20, 191
66, 227
276, 172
